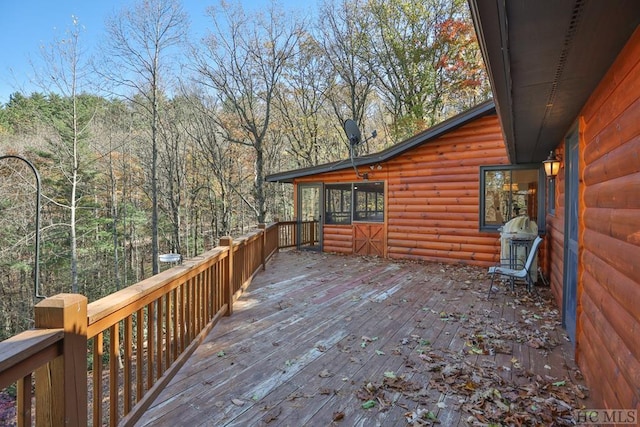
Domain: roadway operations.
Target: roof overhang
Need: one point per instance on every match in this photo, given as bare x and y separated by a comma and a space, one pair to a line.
544, 59
481, 110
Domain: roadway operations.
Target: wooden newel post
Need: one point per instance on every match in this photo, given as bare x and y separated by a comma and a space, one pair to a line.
61, 385
228, 241
263, 245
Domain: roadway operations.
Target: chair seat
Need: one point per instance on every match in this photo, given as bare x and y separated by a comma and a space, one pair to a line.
521, 274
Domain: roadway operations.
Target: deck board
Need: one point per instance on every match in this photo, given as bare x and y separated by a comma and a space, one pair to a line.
292, 354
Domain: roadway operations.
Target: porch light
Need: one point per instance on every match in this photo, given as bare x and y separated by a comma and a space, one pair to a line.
551, 165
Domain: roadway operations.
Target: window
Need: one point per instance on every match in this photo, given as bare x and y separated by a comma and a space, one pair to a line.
362, 201
510, 191
337, 204
368, 201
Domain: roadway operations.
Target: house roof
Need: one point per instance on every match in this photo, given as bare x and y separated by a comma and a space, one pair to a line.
486, 108
545, 58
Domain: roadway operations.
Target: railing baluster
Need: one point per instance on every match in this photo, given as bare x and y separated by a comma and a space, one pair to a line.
183, 321
159, 338
168, 333
139, 354
98, 351
114, 356
190, 308
24, 401
128, 356
150, 330
198, 301
176, 323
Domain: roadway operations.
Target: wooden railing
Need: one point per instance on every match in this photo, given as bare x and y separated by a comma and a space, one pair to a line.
289, 233
135, 340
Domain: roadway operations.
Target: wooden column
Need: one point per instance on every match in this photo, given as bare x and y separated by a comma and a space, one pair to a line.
263, 245
228, 241
61, 385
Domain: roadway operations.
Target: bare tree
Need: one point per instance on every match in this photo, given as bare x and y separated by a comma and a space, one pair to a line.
173, 155
140, 50
243, 63
219, 157
65, 71
303, 108
344, 42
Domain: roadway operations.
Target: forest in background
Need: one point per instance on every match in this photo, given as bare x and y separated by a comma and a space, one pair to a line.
160, 144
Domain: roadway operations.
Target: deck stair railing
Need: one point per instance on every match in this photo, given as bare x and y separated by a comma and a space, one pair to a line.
103, 363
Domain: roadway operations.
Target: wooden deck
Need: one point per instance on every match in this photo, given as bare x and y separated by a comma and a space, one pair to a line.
317, 336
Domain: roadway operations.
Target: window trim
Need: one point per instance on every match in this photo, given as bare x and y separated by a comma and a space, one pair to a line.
541, 194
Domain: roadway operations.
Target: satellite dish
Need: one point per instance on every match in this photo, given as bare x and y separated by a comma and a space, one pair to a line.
352, 131
355, 138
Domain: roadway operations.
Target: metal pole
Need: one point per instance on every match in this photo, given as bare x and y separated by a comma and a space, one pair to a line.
36, 266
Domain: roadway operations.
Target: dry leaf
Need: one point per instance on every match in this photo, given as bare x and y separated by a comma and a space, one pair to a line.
325, 374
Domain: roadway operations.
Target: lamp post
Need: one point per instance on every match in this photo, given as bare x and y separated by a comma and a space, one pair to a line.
36, 264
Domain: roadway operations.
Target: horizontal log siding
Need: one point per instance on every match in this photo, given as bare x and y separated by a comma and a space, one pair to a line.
432, 198
608, 336
338, 238
433, 203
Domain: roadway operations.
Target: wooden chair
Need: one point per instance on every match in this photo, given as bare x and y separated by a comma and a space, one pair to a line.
522, 273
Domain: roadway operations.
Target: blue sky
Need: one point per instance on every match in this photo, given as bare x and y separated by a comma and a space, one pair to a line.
25, 25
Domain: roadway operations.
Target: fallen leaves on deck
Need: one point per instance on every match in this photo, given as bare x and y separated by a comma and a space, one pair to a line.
471, 378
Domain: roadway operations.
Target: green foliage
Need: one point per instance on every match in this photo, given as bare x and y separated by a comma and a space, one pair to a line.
26, 114
424, 55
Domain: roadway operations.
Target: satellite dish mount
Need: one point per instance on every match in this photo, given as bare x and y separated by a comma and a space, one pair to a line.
355, 138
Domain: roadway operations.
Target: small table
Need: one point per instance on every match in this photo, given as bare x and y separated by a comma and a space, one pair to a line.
514, 244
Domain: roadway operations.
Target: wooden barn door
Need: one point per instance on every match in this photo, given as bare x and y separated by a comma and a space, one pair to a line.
368, 239
570, 285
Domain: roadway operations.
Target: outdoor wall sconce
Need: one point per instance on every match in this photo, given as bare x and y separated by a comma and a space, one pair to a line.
551, 165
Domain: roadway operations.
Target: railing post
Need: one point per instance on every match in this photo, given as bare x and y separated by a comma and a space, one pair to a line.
61, 385
263, 245
228, 241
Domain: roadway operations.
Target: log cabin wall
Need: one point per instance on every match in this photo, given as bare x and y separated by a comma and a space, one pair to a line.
432, 197
608, 325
